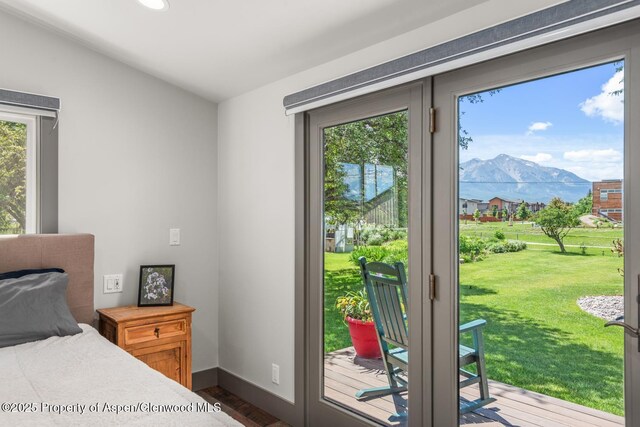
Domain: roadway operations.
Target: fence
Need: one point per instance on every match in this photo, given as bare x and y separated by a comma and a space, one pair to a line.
481, 219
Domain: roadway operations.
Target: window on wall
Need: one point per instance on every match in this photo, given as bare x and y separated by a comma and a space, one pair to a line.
28, 163
18, 174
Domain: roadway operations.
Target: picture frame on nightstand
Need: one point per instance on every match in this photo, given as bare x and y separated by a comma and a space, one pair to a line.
156, 285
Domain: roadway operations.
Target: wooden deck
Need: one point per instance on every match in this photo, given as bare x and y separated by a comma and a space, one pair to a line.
345, 374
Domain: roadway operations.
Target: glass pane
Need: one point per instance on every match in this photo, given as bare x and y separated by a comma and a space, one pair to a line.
365, 211
13, 177
541, 234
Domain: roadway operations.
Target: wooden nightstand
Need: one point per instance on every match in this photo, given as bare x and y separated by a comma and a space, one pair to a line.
158, 336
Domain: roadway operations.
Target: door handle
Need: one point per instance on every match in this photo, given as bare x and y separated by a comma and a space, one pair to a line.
633, 331
628, 328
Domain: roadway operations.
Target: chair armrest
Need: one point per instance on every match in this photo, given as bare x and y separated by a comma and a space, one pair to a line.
475, 324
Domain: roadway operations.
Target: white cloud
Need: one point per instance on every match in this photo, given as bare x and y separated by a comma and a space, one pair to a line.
609, 155
597, 171
595, 164
606, 105
538, 158
537, 126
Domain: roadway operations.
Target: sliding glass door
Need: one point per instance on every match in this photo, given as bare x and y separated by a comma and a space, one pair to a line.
538, 226
366, 169
487, 222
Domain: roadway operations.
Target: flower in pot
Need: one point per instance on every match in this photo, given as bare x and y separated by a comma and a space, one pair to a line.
354, 307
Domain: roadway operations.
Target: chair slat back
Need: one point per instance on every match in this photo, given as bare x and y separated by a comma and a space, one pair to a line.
386, 287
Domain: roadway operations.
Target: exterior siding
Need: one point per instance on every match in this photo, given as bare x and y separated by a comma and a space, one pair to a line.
607, 199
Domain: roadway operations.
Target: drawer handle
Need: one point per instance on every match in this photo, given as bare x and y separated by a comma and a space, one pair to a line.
156, 331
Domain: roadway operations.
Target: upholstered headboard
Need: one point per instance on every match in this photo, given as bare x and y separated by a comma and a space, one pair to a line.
71, 252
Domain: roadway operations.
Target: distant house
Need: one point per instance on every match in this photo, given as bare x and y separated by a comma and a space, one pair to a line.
512, 205
468, 205
607, 199
535, 206
500, 204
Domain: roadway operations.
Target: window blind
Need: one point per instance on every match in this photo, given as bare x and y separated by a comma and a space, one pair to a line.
554, 23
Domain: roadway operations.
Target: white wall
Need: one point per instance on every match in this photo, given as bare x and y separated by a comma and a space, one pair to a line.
137, 156
256, 200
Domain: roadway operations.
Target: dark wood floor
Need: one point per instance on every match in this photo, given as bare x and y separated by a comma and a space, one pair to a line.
239, 409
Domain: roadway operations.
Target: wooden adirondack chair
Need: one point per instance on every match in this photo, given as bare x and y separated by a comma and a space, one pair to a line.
386, 287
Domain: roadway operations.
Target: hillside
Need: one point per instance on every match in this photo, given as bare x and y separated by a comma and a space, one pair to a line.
512, 178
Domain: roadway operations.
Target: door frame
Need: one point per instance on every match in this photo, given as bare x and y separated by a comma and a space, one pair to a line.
413, 97
618, 42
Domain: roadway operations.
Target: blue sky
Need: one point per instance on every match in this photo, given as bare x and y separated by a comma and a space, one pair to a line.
568, 121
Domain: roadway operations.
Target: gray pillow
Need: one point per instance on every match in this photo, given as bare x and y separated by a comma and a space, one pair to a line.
34, 307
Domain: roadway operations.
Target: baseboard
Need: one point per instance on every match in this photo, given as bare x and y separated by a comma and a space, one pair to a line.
259, 397
204, 379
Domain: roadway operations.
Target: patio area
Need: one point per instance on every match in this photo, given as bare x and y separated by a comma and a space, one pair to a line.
345, 374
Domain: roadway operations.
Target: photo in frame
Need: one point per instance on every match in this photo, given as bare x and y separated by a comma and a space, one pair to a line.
156, 285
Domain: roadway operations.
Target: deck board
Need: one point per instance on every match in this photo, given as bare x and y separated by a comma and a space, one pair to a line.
346, 374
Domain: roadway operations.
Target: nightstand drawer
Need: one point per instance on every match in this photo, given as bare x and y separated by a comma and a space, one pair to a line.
154, 331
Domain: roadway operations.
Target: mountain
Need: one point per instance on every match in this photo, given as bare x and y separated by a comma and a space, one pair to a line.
517, 179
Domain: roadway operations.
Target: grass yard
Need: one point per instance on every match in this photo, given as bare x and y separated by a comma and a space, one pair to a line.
601, 237
341, 275
537, 337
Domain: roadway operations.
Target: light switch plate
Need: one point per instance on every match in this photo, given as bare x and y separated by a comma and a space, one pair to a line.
174, 237
112, 283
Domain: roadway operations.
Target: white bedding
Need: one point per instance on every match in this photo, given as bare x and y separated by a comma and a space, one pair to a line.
87, 373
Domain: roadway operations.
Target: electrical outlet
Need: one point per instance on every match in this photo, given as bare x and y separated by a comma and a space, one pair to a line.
275, 373
112, 283
117, 283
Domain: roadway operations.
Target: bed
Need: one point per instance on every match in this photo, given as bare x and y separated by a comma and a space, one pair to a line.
83, 379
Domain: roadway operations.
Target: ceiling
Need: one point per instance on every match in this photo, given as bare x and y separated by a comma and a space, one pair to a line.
221, 49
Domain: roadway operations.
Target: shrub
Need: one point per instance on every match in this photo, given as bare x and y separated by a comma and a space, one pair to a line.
467, 258
389, 253
377, 235
397, 250
399, 235
371, 253
505, 246
375, 240
499, 235
471, 248
365, 234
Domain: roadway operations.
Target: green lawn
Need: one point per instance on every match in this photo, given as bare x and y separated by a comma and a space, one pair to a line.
536, 338
341, 275
525, 232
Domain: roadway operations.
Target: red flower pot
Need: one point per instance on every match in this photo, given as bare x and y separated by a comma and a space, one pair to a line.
364, 338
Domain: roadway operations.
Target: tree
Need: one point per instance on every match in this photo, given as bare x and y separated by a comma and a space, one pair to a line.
476, 215
464, 137
523, 212
505, 213
556, 220
494, 211
381, 140
338, 207
13, 176
584, 205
